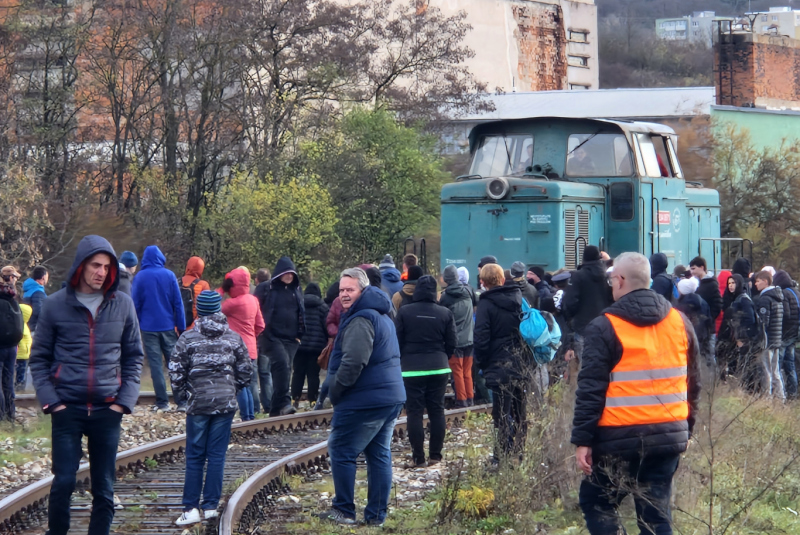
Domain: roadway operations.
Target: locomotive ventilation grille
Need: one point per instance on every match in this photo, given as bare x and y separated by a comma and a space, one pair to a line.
575, 238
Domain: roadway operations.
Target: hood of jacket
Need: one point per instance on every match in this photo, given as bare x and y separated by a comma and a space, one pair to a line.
596, 270
212, 326
194, 270
742, 267
153, 257
332, 293
27, 312
722, 280
241, 282
658, 264
87, 248
781, 278
774, 293
284, 266
505, 297
371, 298
740, 285
425, 290
313, 289
641, 308
30, 287
691, 304
408, 288
458, 291
390, 275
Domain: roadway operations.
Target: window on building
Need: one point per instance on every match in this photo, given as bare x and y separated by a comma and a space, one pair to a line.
598, 155
578, 61
579, 36
695, 23
763, 18
774, 18
578, 86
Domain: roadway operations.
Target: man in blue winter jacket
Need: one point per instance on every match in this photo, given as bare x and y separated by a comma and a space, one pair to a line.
85, 362
159, 307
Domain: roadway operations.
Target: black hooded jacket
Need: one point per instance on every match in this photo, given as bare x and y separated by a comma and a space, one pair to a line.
662, 282
426, 331
602, 352
586, 296
283, 309
498, 346
316, 311
80, 360
709, 291
791, 308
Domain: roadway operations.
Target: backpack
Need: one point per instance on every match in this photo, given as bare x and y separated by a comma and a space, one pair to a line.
760, 341
187, 297
676, 295
12, 324
541, 332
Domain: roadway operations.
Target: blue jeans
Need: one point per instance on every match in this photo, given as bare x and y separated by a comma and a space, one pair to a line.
22, 369
790, 371
101, 427
245, 399
325, 388
254, 387
158, 347
368, 431
612, 479
207, 438
8, 365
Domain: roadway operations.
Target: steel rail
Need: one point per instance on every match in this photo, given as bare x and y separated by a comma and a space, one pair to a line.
34, 495
269, 478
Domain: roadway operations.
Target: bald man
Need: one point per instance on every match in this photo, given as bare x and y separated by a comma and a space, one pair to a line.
636, 402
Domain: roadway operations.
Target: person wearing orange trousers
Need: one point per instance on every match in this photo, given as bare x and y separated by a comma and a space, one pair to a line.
461, 301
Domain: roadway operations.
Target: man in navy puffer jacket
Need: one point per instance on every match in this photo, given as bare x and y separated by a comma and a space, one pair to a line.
159, 306
86, 361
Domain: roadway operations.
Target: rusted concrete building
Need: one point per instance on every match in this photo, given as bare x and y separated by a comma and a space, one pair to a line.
530, 45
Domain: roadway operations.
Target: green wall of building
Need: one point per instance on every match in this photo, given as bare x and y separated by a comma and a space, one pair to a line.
768, 128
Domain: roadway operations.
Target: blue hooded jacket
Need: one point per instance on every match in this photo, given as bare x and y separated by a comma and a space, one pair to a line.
156, 295
391, 280
33, 295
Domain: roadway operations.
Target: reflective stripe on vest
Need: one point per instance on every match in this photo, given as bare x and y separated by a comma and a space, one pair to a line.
649, 383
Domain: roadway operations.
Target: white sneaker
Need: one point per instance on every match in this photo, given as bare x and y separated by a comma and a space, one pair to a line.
189, 517
210, 513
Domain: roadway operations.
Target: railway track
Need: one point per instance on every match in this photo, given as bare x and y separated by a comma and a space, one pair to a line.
150, 478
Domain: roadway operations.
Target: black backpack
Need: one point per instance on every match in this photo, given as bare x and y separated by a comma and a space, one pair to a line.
187, 296
11, 323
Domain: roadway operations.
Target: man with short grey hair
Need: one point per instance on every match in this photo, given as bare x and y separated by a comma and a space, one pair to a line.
636, 402
367, 394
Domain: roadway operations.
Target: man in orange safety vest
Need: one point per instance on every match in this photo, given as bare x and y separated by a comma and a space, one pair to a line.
637, 397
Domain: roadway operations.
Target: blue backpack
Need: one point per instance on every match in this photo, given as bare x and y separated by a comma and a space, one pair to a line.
541, 332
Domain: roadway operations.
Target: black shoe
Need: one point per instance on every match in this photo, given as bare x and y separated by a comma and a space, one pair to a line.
374, 522
287, 410
336, 516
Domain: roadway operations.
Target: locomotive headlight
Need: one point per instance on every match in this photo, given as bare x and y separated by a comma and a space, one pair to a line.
497, 188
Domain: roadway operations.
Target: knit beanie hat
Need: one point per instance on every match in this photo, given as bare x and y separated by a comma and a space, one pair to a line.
128, 259
208, 303
539, 271
487, 260
688, 286
414, 273
387, 262
517, 270
450, 275
463, 275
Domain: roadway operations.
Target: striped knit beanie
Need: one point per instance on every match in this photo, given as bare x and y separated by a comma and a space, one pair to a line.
208, 303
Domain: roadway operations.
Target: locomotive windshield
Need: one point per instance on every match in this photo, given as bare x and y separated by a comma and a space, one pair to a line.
597, 155
499, 155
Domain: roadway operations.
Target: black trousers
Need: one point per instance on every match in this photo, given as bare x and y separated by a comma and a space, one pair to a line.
281, 354
305, 367
426, 393
509, 415
649, 480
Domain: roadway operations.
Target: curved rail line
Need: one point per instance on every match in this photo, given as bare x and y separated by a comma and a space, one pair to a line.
243, 512
28, 500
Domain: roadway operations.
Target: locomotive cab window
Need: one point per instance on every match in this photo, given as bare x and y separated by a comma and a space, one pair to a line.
655, 155
499, 155
620, 195
590, 155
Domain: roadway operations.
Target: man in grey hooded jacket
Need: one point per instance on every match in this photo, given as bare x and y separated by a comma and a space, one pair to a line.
461, 301
86, 362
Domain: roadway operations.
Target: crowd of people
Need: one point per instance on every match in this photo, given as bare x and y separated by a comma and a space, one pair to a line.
388, 339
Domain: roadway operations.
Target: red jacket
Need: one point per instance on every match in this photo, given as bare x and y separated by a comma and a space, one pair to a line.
335, 314
243, 311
